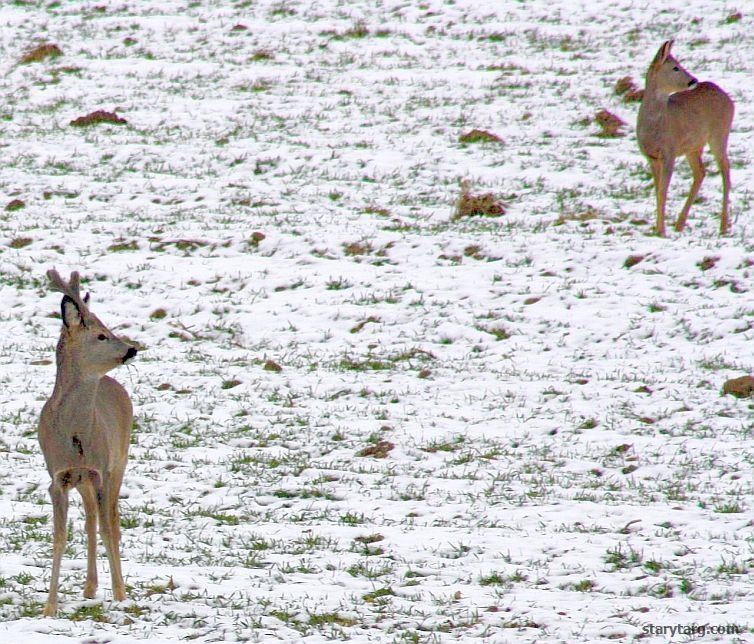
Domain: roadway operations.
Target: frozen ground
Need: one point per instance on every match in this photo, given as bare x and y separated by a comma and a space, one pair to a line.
357, 417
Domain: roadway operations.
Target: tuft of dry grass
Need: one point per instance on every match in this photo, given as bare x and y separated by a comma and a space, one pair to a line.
479, 136
20, 242
581, 216
40, 53
379, 450
357, 248
742, 387
261, 54
255, 239
633, 260
15, 204
610, 125
122, 245
629, 90
477, 205
358, 30
96, 117
708, 262
271, 365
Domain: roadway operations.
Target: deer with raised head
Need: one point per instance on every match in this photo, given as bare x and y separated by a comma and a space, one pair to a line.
84, 433
679, 116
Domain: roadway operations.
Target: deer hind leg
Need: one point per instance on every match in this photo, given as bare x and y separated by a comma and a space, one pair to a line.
697, 170
59, 496
720, 152
662, 172
86, 489
108, 516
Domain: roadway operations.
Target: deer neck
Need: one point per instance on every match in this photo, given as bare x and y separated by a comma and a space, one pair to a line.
74, 397
654, 101
653, 116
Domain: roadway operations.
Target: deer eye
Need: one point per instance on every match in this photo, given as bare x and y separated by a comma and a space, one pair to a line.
102, 337
675, 69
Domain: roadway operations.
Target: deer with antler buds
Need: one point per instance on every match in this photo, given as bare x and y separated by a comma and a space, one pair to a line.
84, 433
680, 116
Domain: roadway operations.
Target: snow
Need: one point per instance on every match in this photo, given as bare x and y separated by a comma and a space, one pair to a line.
559, 464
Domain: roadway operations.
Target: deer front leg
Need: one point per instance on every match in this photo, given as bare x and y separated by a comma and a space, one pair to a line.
59, 496
662, 172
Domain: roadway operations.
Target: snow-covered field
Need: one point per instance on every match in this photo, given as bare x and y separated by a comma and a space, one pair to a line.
358, 417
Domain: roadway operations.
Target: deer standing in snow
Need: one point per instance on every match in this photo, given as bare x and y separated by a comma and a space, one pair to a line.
679, 116
84, 433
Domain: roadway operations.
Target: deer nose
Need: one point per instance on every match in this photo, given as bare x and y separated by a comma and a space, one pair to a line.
692, 82
129, 354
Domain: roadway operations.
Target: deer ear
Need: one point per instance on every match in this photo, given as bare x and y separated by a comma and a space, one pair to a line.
662, 53
70, 313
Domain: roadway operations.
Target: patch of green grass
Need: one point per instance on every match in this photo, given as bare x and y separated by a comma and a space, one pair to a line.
338, 284
375, 595
357, 31
584, 586
493, 579
14, 205
123, 246
90, 613
444, 446
369, 570
621, 559
324, 619
732, 567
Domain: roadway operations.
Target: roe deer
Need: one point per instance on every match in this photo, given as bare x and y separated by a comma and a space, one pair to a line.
679, 116
84, 432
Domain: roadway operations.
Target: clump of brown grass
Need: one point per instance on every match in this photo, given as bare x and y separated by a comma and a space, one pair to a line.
707, 262
379, 450
256, 239
121, 245
358, 30
477, 205
742, 387
40, 53
629, 90
96, 117
357, 248
581, 216
633, 260
261, 54
479, 136
610, 125
271, 365
20, 242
